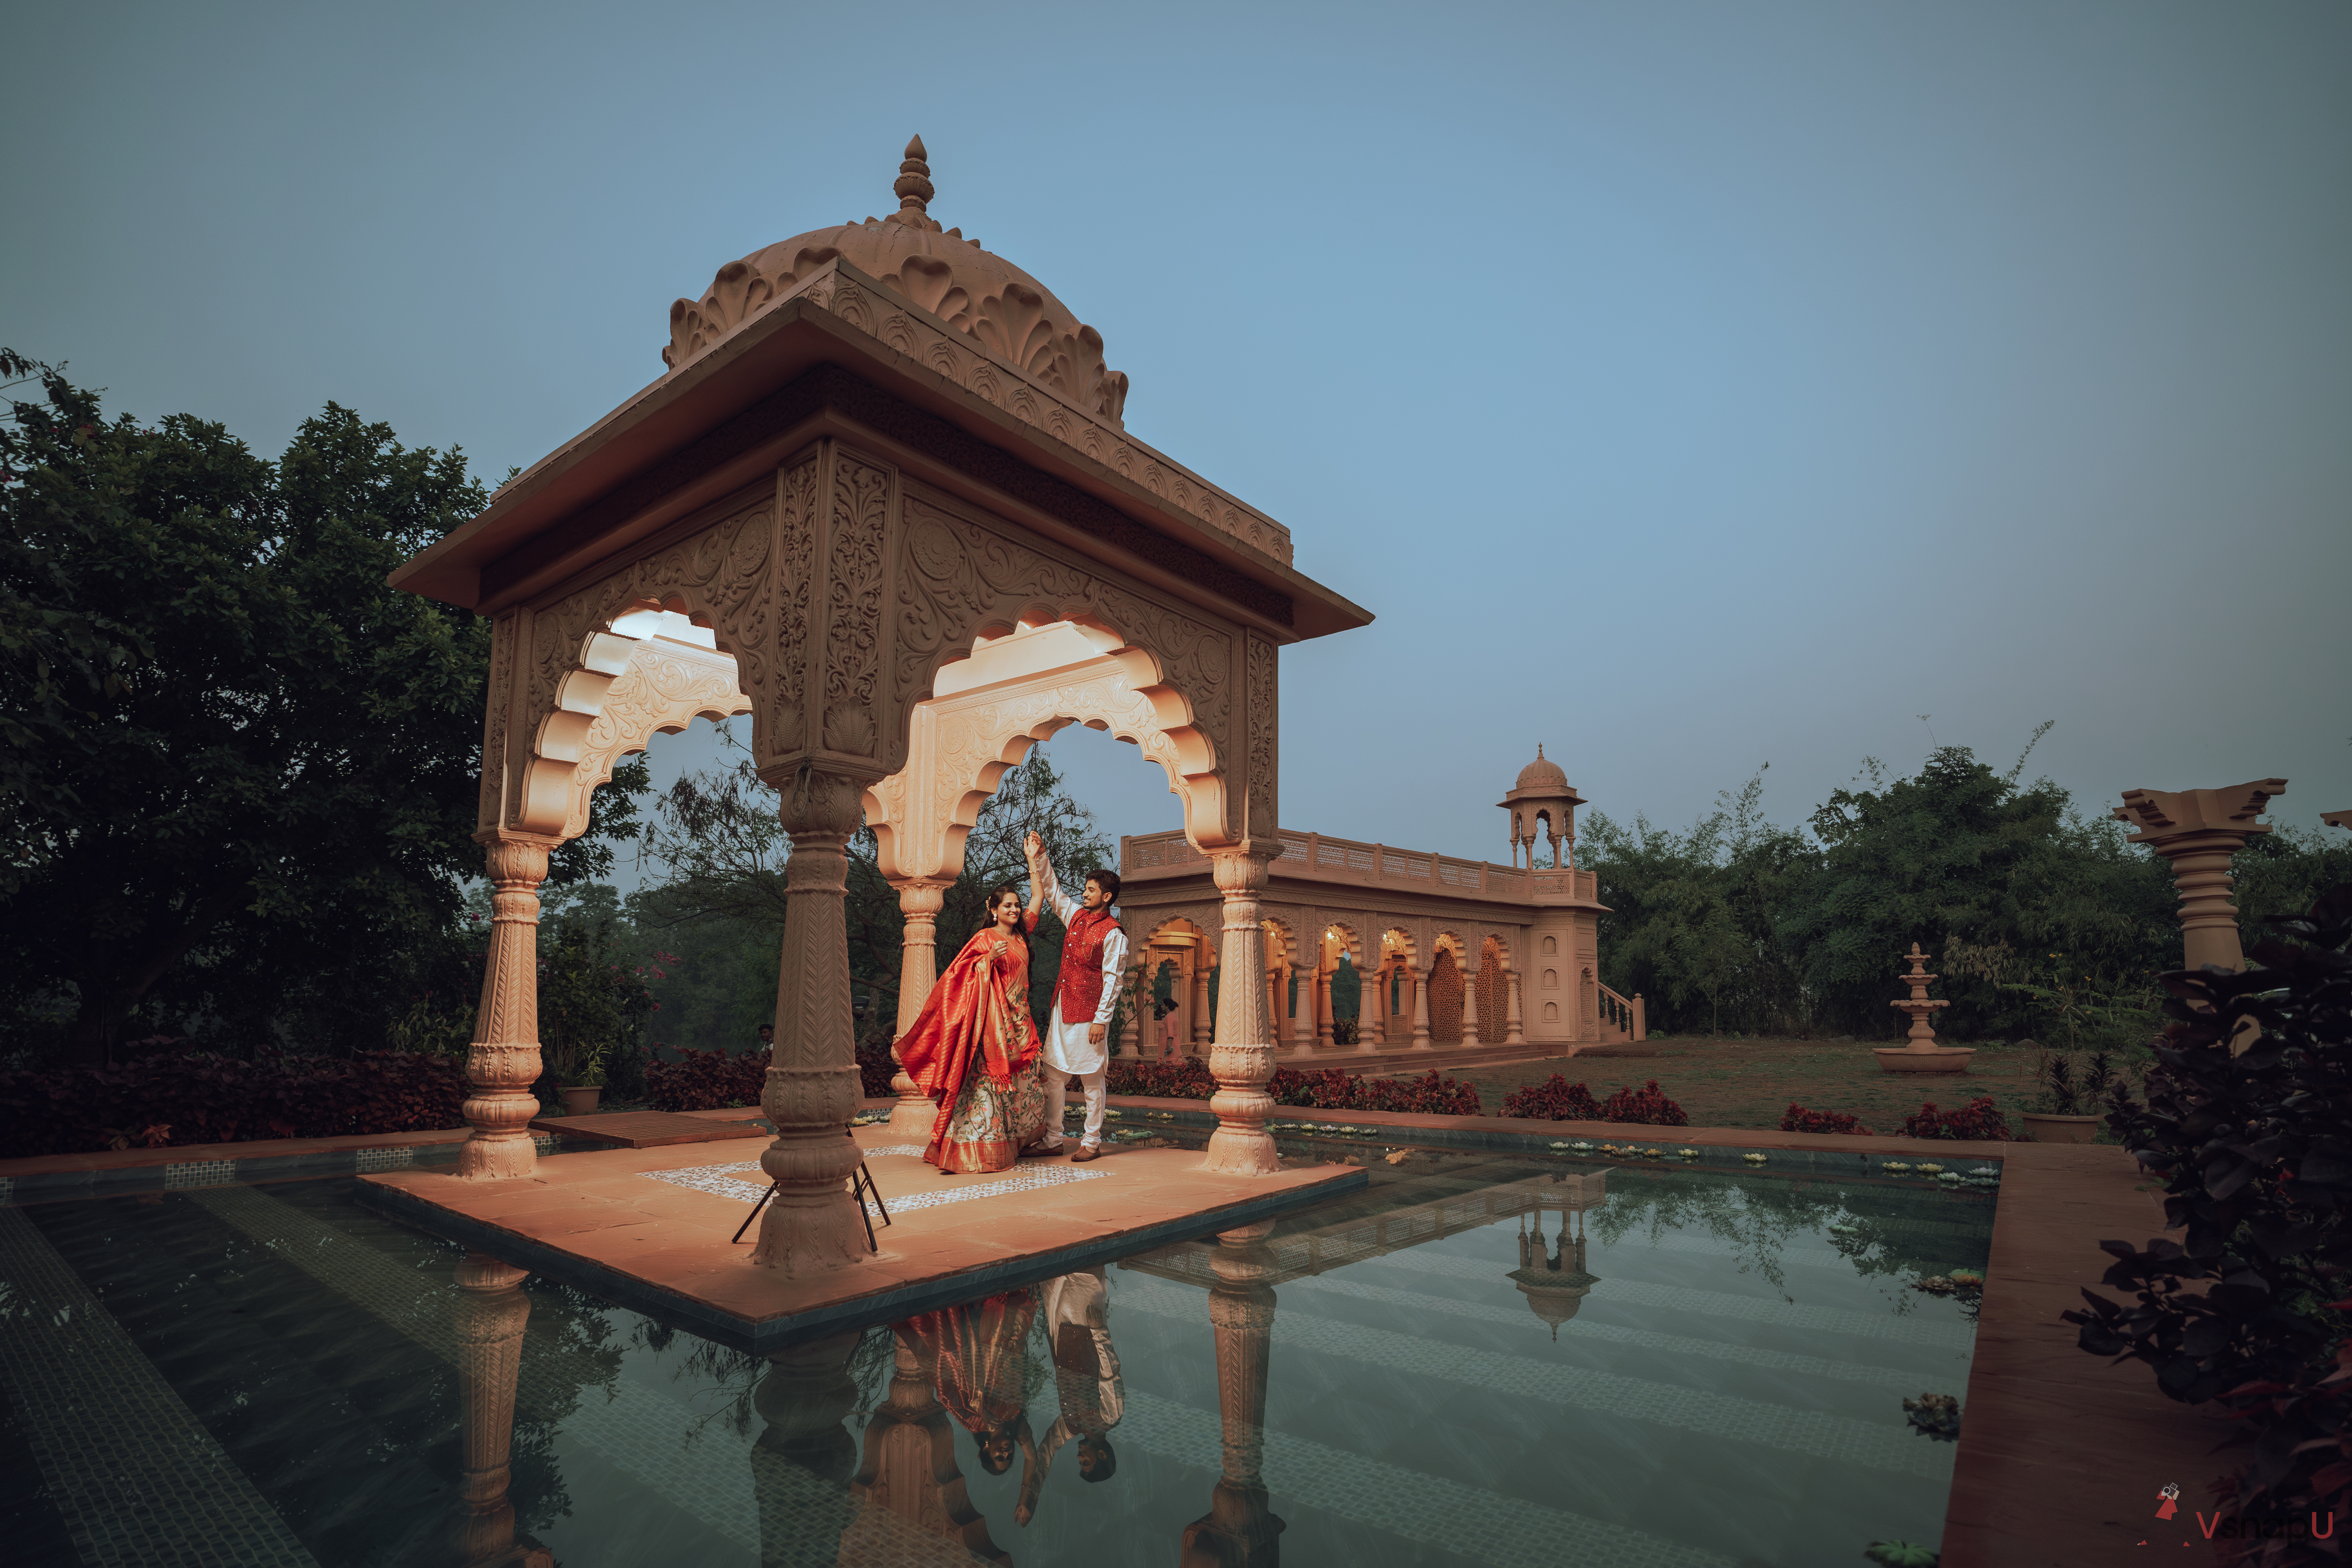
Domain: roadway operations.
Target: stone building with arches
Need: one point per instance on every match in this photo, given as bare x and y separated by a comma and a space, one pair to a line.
1453, 955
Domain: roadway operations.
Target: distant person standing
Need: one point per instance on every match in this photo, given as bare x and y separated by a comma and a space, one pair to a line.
767, 1039
1086, 993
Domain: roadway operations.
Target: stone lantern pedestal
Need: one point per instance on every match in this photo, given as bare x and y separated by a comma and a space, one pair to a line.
1922, 1054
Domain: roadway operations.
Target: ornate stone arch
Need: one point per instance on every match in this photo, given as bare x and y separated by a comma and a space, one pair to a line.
556, 668
620, 692
1493, 984
959, 584
1031, 681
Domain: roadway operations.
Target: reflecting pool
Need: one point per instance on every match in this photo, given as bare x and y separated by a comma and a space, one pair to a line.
1480, 1359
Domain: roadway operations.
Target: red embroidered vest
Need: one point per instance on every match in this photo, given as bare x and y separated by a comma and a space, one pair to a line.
1079, 989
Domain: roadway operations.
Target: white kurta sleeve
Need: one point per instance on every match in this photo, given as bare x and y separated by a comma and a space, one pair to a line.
1114, 959
1056, 900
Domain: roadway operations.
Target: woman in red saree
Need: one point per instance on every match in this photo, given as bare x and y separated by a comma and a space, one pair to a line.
974, 1049
977, 1359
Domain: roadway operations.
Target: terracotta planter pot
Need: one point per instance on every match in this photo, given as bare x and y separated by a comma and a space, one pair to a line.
581, 1101
2047, 1129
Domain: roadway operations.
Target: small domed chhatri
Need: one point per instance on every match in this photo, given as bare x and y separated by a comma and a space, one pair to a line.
1543, 805
975, 292
1542, 774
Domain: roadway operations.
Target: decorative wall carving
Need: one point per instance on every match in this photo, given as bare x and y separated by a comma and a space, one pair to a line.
716, 574
962, 745
853, 631
869, 302
1265, 733
959, 578
796, 551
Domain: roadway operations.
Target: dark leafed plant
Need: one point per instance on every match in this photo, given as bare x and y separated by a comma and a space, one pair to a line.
1649, 1106
1979, 1120
2248, 1120
2058, 1083
1554, 1099
1797, 1119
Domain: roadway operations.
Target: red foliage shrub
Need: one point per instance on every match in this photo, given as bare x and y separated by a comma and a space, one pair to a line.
1428, 1094
1978, 1119
1554, 1099
1187, 1077
1797, 1119
875, 1069
1643, 1105
179, 1098
711, 1080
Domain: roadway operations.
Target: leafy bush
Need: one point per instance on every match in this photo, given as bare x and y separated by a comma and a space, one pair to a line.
1797, 1119
875, 1069
1554, 1099
1184, 1077
1187, 1077
1428, 1095
171, 1099
1980, 1119
708, 1080
1643, 1105
2250, 1308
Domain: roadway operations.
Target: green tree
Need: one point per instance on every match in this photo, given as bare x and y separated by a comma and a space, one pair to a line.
720, 851
240, 772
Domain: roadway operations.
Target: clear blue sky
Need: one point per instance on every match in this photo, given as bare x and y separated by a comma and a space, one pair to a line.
1685, 386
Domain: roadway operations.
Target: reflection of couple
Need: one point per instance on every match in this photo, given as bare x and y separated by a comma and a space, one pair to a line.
974, 1048
977, 1358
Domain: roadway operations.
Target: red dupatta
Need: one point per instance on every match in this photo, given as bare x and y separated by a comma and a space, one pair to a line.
978, 1014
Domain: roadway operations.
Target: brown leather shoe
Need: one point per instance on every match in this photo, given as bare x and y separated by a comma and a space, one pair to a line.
1086, 1152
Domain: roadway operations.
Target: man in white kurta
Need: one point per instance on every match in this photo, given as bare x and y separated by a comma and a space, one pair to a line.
1088, 986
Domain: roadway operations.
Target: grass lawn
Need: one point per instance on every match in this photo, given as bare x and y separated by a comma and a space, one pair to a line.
1750, 1083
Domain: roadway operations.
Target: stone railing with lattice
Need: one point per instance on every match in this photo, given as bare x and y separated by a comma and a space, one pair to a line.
1317, 856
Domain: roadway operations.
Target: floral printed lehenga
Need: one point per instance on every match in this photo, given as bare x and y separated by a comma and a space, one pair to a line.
974, 1051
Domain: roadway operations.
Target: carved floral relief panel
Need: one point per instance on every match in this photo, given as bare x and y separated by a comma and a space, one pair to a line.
957, 577
719, 573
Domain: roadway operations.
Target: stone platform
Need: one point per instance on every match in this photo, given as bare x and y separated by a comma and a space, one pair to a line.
649, 1228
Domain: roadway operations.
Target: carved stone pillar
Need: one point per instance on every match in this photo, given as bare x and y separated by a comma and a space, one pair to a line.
1373, 1013
1204, 1022
1301, 1034
1240, 1530
919, 971
1323, 1019
503, 1061
812, 1226
1420, 980
1514, 1032
909, 1475
1277, 986
2198, 830
1242, 1060
489, 1314
1470, 1035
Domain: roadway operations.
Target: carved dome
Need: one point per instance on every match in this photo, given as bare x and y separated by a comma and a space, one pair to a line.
1541, 775
978, 294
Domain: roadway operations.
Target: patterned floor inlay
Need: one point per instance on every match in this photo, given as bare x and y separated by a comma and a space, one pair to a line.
136, 1476
1869, 1445
727, 1181
1468, 1522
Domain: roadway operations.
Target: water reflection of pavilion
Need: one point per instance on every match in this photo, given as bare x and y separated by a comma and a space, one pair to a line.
1419, 1210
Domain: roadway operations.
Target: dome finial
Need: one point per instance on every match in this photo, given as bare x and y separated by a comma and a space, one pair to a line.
914, 187
1539, 751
